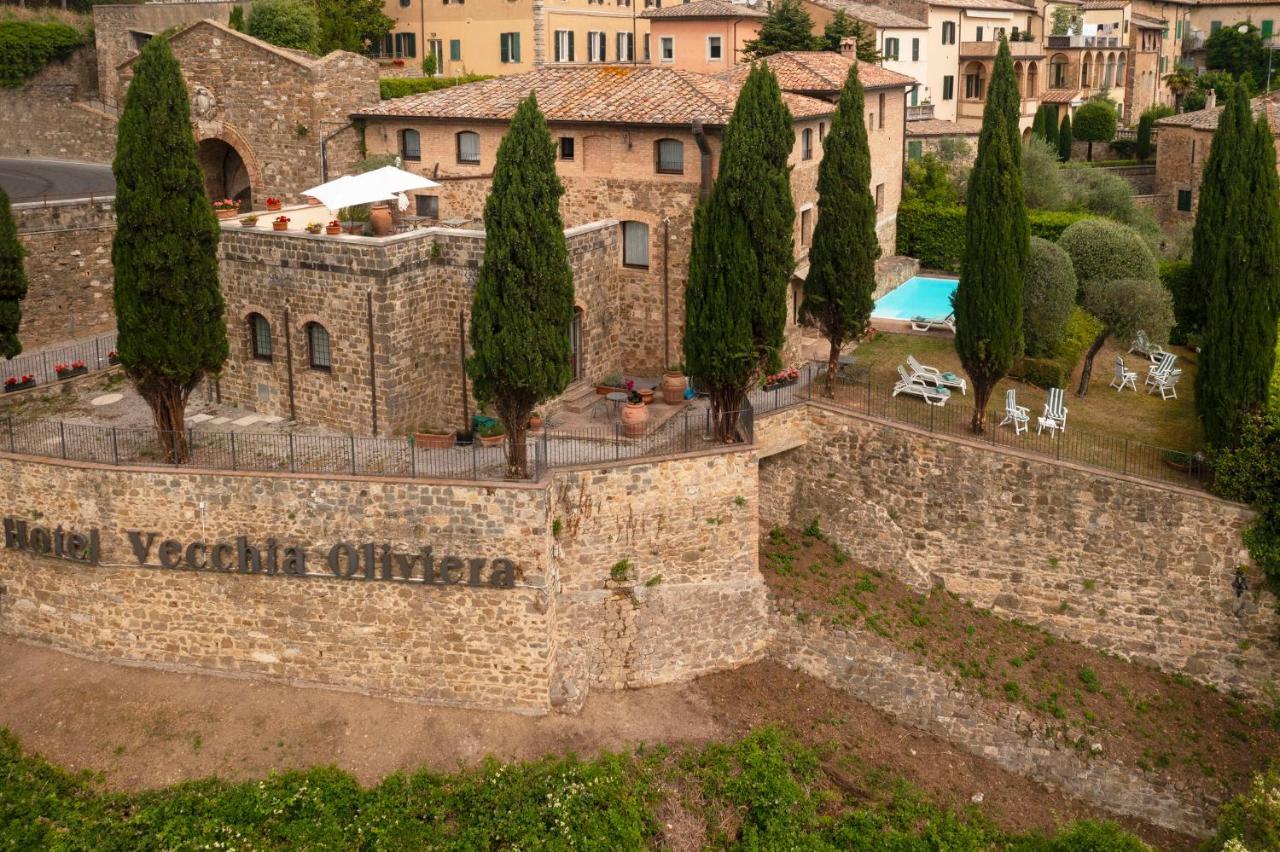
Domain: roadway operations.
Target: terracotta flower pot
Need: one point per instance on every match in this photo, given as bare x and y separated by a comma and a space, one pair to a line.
433, 440
380, 219
271, 206
646, 395
634, 418
333, 230
673, 385
535, 423
230, 213
491, 440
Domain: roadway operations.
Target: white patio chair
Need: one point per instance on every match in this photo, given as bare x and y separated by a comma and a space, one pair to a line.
1162, 369
1124, 377
934, 376
1055, 413
914, 387
926, 324
1018, 415
1140, 344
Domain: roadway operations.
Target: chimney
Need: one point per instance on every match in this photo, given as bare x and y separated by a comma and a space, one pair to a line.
1211, 99
849, 47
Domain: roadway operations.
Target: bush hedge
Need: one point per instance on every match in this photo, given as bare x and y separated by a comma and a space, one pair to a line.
934, 235
399, 87
1175, 275
26, 47
1056, 372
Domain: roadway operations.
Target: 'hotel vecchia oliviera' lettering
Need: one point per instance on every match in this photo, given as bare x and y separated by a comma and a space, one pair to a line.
344, 560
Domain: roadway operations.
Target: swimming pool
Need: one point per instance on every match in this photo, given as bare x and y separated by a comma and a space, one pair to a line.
917, 297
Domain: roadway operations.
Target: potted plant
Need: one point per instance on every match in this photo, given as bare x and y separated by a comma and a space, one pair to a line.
491, 434
535, 422
17, 383
610, 383
226, 208
113, 357
273, 203
333, 228
464, 437
68, 371
673, 384
314, 227
249, 222
634, 416
281, 223
782, 379
426, 439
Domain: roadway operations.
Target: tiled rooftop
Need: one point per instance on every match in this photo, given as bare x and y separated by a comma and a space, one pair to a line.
878, 16
1100, 5
1060, 96
995, 5
1207, 119
819, 71
938, 127
612, 94
707, 9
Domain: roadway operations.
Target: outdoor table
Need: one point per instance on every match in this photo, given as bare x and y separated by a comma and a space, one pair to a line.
616, 398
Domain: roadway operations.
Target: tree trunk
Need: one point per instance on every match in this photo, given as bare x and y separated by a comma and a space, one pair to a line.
517, 450
833, 364
1089, 156
168, 402
981, 395
726, 403
1087, 370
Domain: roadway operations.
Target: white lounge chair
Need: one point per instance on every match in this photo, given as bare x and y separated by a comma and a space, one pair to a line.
1143, 346
1055, 413
1124, 377
926, 324
929, 393
934, 376
1018, 415
1163, 377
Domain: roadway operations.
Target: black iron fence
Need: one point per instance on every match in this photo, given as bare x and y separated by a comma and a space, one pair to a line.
83, 356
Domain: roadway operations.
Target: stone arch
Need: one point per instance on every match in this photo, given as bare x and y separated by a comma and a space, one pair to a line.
1085, 65
1120, 67
1109, 76
1058, 70
1017, 74
1033, 80
230, 165
1026, 135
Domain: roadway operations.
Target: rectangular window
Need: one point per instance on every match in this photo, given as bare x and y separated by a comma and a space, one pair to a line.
882, 110
468, 147
564, 46
915, 150
647, 56
948, 32
1266, 28
1214, 26
427, 206
406, 45
667, 49
1184, 200
879, 198
891, 48
455, 50
822, 130
626, 47
915, 50
566, 147
806, 144
635, 245
437, 50
1177, 28
595, 47
509, 47
410, 145
714, 51
670, 155
978, 36
806, 226
948, 87
915, 95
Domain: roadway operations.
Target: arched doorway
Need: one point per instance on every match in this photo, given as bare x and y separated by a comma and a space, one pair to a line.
225, 173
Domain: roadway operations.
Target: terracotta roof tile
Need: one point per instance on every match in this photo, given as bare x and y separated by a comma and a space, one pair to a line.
1090, 5
819, 71
706, 9
878, 16
1207, 119
1060, 96
1147, 20
1002, 5
938, 127
610, 94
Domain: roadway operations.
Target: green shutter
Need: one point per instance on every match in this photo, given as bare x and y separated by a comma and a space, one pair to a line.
1266, 28
915, 150
515, 47
504, 47
455, 49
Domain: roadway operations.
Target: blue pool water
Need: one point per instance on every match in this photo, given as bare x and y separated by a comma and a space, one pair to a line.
917, 297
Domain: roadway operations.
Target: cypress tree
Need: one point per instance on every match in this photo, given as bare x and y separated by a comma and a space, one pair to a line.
523, 302
988, 300
1037, 125
1221, 187
1064, 138
1050, 124
1238, 353
13, 281
165, 251
743, 253
842, 261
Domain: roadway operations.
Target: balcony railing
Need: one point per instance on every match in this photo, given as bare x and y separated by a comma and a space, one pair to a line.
1060, 41
988, 49
922, 112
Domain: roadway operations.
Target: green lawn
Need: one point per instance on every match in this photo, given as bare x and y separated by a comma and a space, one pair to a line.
1137, 416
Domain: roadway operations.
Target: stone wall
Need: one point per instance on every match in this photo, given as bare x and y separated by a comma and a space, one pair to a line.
1132, 567
54, 114
68, 266
564, 626
873, 670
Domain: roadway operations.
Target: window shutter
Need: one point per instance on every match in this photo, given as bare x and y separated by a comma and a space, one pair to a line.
559, 58
504, 48
515, 47
570, 45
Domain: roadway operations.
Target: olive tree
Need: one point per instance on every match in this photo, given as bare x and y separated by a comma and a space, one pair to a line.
1125, 306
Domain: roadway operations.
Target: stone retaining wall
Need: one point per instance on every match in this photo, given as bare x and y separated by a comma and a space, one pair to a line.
872, 670
51, 114
1131, 567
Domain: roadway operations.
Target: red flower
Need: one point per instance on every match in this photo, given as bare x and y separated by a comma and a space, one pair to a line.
284, 220
60, 368
272, 200
77, 365
10, 382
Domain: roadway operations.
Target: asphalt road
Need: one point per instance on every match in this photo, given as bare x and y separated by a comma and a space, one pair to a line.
34, 180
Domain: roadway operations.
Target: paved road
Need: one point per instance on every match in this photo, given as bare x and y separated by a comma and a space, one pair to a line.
33, 180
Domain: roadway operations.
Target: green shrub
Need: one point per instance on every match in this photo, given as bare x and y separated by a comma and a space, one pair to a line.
1250, 473
934, 234
1252, 819
1176, 277
294, 24
26, 47
1090, 836
399, 87
1055, 372
1126, 148
1103, 250
1048, 298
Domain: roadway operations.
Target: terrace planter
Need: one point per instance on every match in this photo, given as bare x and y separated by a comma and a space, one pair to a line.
434, 440
229, 213
333, 230
273, 204
72, 373
113, 359
491, 440
673, 385
279, 226
535, 423
380, 219
17, 386
646, 395
785, 383
604, 389
247, 223
634, 418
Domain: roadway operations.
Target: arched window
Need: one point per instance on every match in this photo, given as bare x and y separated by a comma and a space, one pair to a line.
975, 79
1058, 71
1084, 71
410, 145
1017, 74
1110, 74
319, 356
469, 147
806, 144
1120, 64
1033, 80
669, 156
1099, 65
260, 337
635, 245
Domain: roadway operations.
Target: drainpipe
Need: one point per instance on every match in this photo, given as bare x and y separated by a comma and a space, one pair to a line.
324, 150
666, 293
373, 374
902, 173
704, 148
288, 362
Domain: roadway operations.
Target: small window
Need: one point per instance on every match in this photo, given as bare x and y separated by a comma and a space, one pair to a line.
566, 147
715, 50
469, 147
948, 87
318, 355
948, 32
406, 45
509, 47
260, 337
596, 47
1184, 200
806, 226
915, 150
1214, 26
427, 206
646, 58
978, 34
404, 3
806, 144
670, 155
455, 50
882, 110
635, 245
879, 198
564, 46
891, 48
915, 50
822, 131
626, 46
410, 145
667, 49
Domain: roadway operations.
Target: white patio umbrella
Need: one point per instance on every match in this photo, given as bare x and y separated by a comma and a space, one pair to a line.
383, 184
